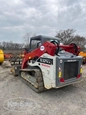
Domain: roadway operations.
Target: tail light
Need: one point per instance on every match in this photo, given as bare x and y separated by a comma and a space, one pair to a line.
62, 80
78, 76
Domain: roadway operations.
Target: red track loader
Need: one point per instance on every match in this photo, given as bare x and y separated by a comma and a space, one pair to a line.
47, 64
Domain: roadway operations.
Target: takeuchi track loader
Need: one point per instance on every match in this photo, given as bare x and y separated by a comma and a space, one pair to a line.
47, 64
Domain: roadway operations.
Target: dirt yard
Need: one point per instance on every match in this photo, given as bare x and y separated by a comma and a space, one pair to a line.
16, 98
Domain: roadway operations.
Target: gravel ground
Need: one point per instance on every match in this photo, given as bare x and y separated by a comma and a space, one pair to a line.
16, 98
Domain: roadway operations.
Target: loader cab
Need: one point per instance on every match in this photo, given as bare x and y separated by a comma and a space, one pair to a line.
37, 41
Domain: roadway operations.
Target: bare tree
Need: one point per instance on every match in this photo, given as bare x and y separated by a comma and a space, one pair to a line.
11, 46
68, 36
27, 37
80, 41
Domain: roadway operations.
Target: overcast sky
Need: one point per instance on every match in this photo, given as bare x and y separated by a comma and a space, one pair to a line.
46, 17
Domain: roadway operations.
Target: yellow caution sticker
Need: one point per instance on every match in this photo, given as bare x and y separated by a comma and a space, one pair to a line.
81, 70
60, 74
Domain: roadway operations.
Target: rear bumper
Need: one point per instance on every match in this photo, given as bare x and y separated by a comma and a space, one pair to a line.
66, 83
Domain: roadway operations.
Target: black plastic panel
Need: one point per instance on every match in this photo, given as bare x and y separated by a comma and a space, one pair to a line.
70, 70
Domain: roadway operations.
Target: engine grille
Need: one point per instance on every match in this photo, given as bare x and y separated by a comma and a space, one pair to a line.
70, 70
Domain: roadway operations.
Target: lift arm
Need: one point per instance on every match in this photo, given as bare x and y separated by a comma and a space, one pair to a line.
46, 47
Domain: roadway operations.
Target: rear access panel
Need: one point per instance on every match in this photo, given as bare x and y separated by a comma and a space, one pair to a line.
70, 70
67, 71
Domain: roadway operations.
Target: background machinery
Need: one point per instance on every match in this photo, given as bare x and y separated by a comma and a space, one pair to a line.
83, 54
1, 56
47, 64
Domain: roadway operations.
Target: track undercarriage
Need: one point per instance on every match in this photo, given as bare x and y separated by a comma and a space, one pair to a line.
31, 76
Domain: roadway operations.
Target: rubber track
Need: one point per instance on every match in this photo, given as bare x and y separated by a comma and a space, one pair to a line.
39, 80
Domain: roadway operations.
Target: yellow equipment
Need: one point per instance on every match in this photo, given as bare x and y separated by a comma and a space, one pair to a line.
83, 54
1, 56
